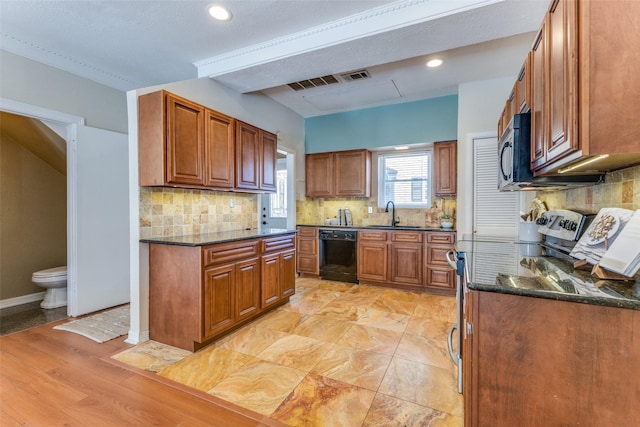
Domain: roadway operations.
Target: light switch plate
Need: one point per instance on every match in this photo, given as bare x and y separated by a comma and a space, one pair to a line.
370, 209
232, 203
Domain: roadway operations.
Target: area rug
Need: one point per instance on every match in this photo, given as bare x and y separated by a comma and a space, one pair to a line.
100, 327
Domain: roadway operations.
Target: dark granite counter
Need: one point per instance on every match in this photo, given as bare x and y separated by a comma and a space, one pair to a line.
378, 227
521, 268
218, 237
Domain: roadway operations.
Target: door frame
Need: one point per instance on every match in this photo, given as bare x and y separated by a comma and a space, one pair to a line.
71, 123
291, 197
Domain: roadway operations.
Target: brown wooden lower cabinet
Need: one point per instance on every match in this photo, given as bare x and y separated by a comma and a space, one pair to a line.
397, 258
541, 362
307, 250
198, 293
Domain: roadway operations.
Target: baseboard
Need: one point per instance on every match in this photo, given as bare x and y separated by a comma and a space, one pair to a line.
25, 299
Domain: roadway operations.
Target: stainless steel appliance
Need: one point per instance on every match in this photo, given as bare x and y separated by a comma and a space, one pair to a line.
456, 260
338, 249
514, 169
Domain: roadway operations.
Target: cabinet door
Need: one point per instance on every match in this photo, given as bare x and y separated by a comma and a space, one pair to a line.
373, 261
446, 168
185, 142
219, 150
219, 301
270, 273
268, 157
523, 87
538, 98
287, 278
353, 173
319, 175
247, 156
562, 72
407, 263
247, 288
307, 250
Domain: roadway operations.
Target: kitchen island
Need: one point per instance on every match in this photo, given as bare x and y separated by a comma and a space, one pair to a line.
545, 343
203, 286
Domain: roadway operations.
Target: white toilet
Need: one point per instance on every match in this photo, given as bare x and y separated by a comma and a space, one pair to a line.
54, 280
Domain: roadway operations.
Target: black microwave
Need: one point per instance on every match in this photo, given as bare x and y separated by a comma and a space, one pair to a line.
514, 167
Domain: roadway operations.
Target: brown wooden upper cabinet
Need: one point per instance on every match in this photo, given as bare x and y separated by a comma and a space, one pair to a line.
184, 144
445, 168
256, 158
584, 94
339, 174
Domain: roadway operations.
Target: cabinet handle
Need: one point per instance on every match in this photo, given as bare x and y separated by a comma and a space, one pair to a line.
452, 354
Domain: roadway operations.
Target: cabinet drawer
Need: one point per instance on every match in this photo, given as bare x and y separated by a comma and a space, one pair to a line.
441, 237
437, 255
279, 243
223, 253
374, 235
308, 232
406, 236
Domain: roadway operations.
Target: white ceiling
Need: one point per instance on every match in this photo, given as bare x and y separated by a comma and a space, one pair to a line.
269, 43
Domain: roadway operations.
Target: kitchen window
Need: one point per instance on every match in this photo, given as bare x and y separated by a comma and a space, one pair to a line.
405, 179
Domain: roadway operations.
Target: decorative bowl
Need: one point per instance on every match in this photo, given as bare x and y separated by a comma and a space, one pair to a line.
446, 224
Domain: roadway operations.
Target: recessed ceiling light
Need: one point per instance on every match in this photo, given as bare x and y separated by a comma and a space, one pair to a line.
434, 63
220, 13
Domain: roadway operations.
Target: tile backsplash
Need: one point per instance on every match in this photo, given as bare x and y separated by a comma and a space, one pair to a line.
621, 189
315, 211
168, 212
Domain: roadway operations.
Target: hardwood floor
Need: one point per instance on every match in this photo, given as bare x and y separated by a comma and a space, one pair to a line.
55, 378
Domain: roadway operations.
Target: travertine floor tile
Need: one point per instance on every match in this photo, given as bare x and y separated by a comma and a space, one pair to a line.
206, 368
279, 320
424, 350
394, 304
320, 401
318, 360
368, 338
250, 340
259, 386
384, 320
425, 385
436, 329
342, 311
388, 411
151, 356
322, 328
358, 367
296, 351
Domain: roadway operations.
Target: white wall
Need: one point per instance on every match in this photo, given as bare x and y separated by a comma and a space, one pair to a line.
479, 107
256, 109
37, 84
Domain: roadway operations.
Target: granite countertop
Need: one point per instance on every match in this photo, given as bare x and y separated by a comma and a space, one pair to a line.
521, 268
218, 237
378, 227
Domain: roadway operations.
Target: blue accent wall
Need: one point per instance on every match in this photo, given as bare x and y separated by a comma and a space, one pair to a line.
429, 120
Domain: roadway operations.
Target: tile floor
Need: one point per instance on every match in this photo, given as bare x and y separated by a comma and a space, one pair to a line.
25, 316
337, 354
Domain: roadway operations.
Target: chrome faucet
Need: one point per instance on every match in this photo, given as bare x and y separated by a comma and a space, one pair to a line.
393, 213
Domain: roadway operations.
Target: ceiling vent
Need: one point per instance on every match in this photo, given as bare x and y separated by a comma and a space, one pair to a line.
355, 75
315, 82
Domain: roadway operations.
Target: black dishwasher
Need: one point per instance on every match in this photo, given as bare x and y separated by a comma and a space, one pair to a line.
338, 250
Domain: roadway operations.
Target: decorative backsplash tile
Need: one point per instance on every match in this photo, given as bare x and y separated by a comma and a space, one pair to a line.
621, 189
316, 211
176, 212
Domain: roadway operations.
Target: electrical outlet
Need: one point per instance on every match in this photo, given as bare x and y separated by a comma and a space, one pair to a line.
232, 203
370, 209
